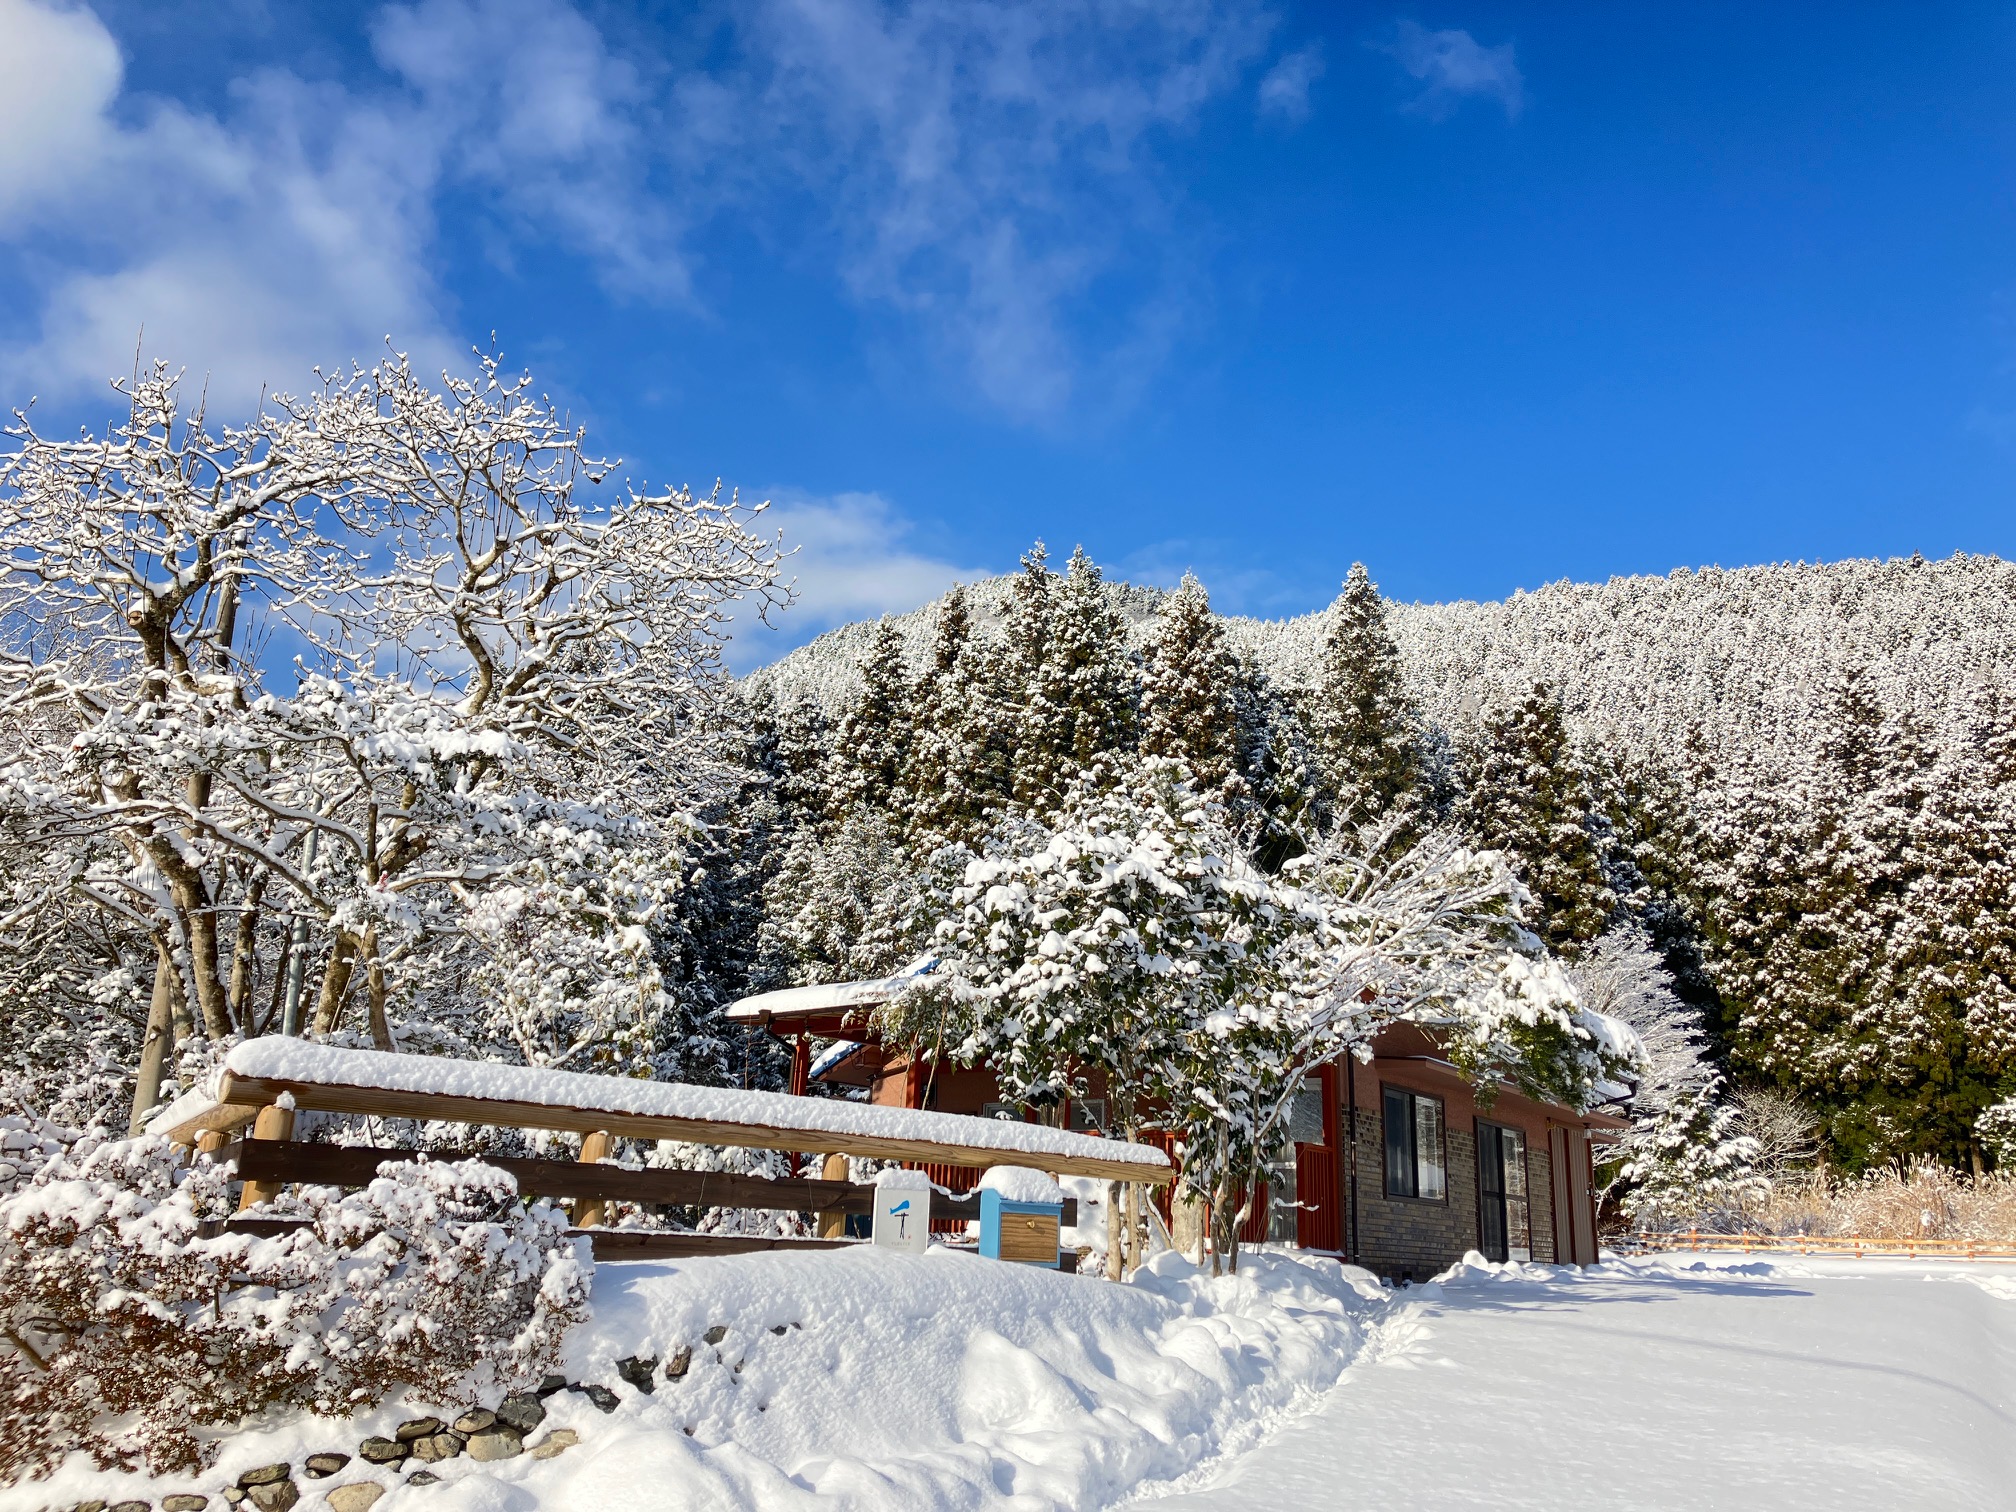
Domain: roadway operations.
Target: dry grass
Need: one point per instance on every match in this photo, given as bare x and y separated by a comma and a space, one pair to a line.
1924, 1201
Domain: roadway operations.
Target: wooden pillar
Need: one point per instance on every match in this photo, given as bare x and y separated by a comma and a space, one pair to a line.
595, 1148
210, 1141
833, 1225
801, 1066
273, 1122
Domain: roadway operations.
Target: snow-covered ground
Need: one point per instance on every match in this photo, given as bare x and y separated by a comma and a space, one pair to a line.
1663, 1385
869, 1379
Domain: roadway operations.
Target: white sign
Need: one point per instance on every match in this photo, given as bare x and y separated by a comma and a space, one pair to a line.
903, 1218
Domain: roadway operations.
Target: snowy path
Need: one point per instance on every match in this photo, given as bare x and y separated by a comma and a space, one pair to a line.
1658, 1387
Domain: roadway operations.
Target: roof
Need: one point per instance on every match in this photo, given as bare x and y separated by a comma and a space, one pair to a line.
262, 1071
827, 997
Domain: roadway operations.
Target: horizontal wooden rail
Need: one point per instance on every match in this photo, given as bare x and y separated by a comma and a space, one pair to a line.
607, 1244
238, 1097
1703, 1240
285, 1160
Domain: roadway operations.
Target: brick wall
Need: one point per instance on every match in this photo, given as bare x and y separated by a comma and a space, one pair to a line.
1540, 1188
1402, 1237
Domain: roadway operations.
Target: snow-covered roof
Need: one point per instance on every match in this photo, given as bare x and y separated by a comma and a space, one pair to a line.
261, 1071
827, 997
832, 1056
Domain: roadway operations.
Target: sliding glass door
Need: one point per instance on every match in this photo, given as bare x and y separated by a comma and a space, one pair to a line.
1504, 1207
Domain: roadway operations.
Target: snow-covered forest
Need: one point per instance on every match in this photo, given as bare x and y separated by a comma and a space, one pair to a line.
390, 718
1765, 815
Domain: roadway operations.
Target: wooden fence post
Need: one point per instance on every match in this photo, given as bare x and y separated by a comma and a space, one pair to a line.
273, 1122
595, 1148
833, 1225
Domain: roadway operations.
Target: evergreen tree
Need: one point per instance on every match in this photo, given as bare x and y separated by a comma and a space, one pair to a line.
1363, 729
958, 762
1191, 709
1068, 658
1529, 795
874, 741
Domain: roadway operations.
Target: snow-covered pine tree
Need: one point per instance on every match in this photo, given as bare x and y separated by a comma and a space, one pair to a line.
1528, 794
872, 747
1078, 704
957, 772
1191, 710
1682, 1154
1362, 728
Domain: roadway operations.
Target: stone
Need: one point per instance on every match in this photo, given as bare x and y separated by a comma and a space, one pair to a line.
319, 1465
185, 1502
496, 1444
680, 1363
422, 1478
273, 1496
232, 1494
554, 1442
638, 1373
715, 1334
781, 1329
551, 1384
475, 1422
604, 1399
130, 1506
522, 1412
265, 1475
384, 1451
91, 1506
419, 1428
437, 1446
355, 1497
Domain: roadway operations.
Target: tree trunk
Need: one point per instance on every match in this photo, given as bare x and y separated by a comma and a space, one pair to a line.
374, 979
335, 985
243, 958
1115, 1236
154, 1048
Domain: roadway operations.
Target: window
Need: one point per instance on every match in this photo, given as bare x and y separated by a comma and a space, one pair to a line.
1088, 1115
1504, 1206
1414, 1162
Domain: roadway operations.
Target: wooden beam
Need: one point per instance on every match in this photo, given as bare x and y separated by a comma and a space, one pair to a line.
596, 1147
276, 1125
357, 1165
639, 1244
248, 1092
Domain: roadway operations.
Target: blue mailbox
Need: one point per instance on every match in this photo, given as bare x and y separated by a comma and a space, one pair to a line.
1023, 1232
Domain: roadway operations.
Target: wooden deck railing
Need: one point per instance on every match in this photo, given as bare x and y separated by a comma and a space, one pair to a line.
1856, 1245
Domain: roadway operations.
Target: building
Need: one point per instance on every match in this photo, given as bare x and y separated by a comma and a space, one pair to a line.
1398, 1166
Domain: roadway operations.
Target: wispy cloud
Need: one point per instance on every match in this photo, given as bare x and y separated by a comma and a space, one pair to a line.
990, 174
1228, 573
300, 225
852, 560
1284, 90
1453, 66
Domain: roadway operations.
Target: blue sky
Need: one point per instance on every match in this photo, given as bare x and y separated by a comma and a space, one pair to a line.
1483, 295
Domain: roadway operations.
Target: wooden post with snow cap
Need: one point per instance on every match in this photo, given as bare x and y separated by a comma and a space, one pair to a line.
595, 1148
273, 1122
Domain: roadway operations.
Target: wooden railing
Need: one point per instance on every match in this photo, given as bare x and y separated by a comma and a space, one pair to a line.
276, 1162
1857, 1245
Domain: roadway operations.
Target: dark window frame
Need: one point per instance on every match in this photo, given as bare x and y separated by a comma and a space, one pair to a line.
1499, 1129
1388, 1090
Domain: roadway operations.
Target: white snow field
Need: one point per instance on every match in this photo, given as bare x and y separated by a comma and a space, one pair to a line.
1662, 1385
866, 1379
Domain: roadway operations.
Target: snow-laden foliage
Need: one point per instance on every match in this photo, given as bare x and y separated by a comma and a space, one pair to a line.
1684, 1151
127, 1334
1799, 780
364, 699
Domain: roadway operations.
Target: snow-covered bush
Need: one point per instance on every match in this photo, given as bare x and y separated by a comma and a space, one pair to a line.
126, 1333
1997, 1130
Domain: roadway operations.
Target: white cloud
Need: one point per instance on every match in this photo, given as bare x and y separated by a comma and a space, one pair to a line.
989, 173
1284, 91
1228, 574
851, 562
299, 227
1452, 65
989, 163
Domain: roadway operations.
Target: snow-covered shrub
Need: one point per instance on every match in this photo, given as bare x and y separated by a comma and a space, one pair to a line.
126, 1333
26, 1145
1997, 1129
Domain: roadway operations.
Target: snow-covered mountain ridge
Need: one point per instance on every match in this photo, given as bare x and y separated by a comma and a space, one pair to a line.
1746, 654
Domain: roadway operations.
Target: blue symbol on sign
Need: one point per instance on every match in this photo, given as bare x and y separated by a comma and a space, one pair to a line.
901, 1213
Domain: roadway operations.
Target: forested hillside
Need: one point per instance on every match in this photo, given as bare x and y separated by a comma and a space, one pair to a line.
1799, 782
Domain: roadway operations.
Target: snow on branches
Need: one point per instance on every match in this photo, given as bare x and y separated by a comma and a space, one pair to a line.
125, 1331
368, 690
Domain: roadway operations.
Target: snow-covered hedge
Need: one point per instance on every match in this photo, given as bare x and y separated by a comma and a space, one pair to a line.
125, 1333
